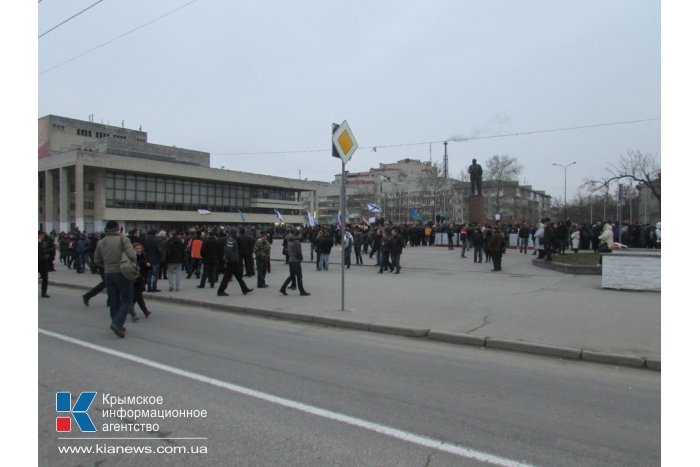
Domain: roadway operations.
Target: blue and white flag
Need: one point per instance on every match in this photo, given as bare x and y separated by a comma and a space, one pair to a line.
374, 207
340, 218
279, 215
312, 221
241, 214
203, 212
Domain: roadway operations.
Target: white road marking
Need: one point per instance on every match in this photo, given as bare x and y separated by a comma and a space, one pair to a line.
402, 435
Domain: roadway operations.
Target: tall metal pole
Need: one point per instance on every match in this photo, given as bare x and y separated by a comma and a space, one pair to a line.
630, 204
605, 201
619, 212
342, 239
564, 167
445, 162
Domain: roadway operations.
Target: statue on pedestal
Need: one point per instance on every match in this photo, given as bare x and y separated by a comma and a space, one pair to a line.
475, 175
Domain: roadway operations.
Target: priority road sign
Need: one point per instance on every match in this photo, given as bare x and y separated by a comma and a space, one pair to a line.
344, 142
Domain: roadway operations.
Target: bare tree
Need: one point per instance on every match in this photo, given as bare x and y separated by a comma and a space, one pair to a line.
644, 169
433, 181
501, 169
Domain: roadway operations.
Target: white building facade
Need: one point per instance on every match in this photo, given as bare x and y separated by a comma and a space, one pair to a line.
90, 173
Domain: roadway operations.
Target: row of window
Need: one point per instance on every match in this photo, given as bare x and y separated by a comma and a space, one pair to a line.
145, 191
98, 134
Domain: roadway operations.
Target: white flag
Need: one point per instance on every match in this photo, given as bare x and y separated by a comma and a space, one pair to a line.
312, 221
374, 207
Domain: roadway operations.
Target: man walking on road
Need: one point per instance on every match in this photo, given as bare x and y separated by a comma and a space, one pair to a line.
295, 259
262, 257
120, 290
233, 267
211, 252
396, 250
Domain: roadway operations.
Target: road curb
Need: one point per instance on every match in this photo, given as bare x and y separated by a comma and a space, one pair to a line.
341, 323
457, 338
571, 353
398, 330
613, 358
534, 348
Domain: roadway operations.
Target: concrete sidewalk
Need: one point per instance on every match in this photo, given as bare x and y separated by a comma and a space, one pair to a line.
445, 297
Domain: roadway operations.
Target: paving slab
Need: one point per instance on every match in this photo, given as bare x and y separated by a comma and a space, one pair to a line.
439, 291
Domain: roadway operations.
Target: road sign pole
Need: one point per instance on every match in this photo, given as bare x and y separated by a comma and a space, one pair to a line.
344, 145
342, 239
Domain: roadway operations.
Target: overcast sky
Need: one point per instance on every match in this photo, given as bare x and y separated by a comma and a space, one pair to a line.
270, 76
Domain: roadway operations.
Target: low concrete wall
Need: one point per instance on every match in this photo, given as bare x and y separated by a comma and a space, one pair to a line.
567, 268
632, 269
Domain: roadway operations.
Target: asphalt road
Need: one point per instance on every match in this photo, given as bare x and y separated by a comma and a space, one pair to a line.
281, 393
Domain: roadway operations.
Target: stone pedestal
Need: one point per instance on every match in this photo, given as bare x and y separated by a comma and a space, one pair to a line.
475, 205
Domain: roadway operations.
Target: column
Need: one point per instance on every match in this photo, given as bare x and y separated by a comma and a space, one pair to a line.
99, 200
49, 211
63, 199
79, 197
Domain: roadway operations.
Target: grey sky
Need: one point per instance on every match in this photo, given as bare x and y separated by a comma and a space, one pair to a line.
255, 76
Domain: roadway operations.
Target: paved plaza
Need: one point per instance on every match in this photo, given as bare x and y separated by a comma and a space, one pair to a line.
444, 296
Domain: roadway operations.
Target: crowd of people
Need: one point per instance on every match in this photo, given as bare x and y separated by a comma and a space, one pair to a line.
216, 255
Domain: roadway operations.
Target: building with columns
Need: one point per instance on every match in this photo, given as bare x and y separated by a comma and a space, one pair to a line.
89, 173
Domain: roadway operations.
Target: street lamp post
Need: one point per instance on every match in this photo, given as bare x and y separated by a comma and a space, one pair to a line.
605, 199
564, 167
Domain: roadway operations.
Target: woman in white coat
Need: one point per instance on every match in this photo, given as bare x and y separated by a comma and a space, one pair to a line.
575, 239
606, 238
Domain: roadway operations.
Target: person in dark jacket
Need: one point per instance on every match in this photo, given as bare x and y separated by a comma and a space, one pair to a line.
496, 245
488, 233
211, 255
387, 245
63, 242
478, 243
233, 267
325, 246
548, 240
357, 246
46, 250
262, 257
295, 259
523, 238
397, 244
152, 250
376, 247
246, 243
561, 238
82, 253
174, 256
140, 282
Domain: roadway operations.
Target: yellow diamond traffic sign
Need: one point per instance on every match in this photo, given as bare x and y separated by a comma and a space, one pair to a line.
344, 141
